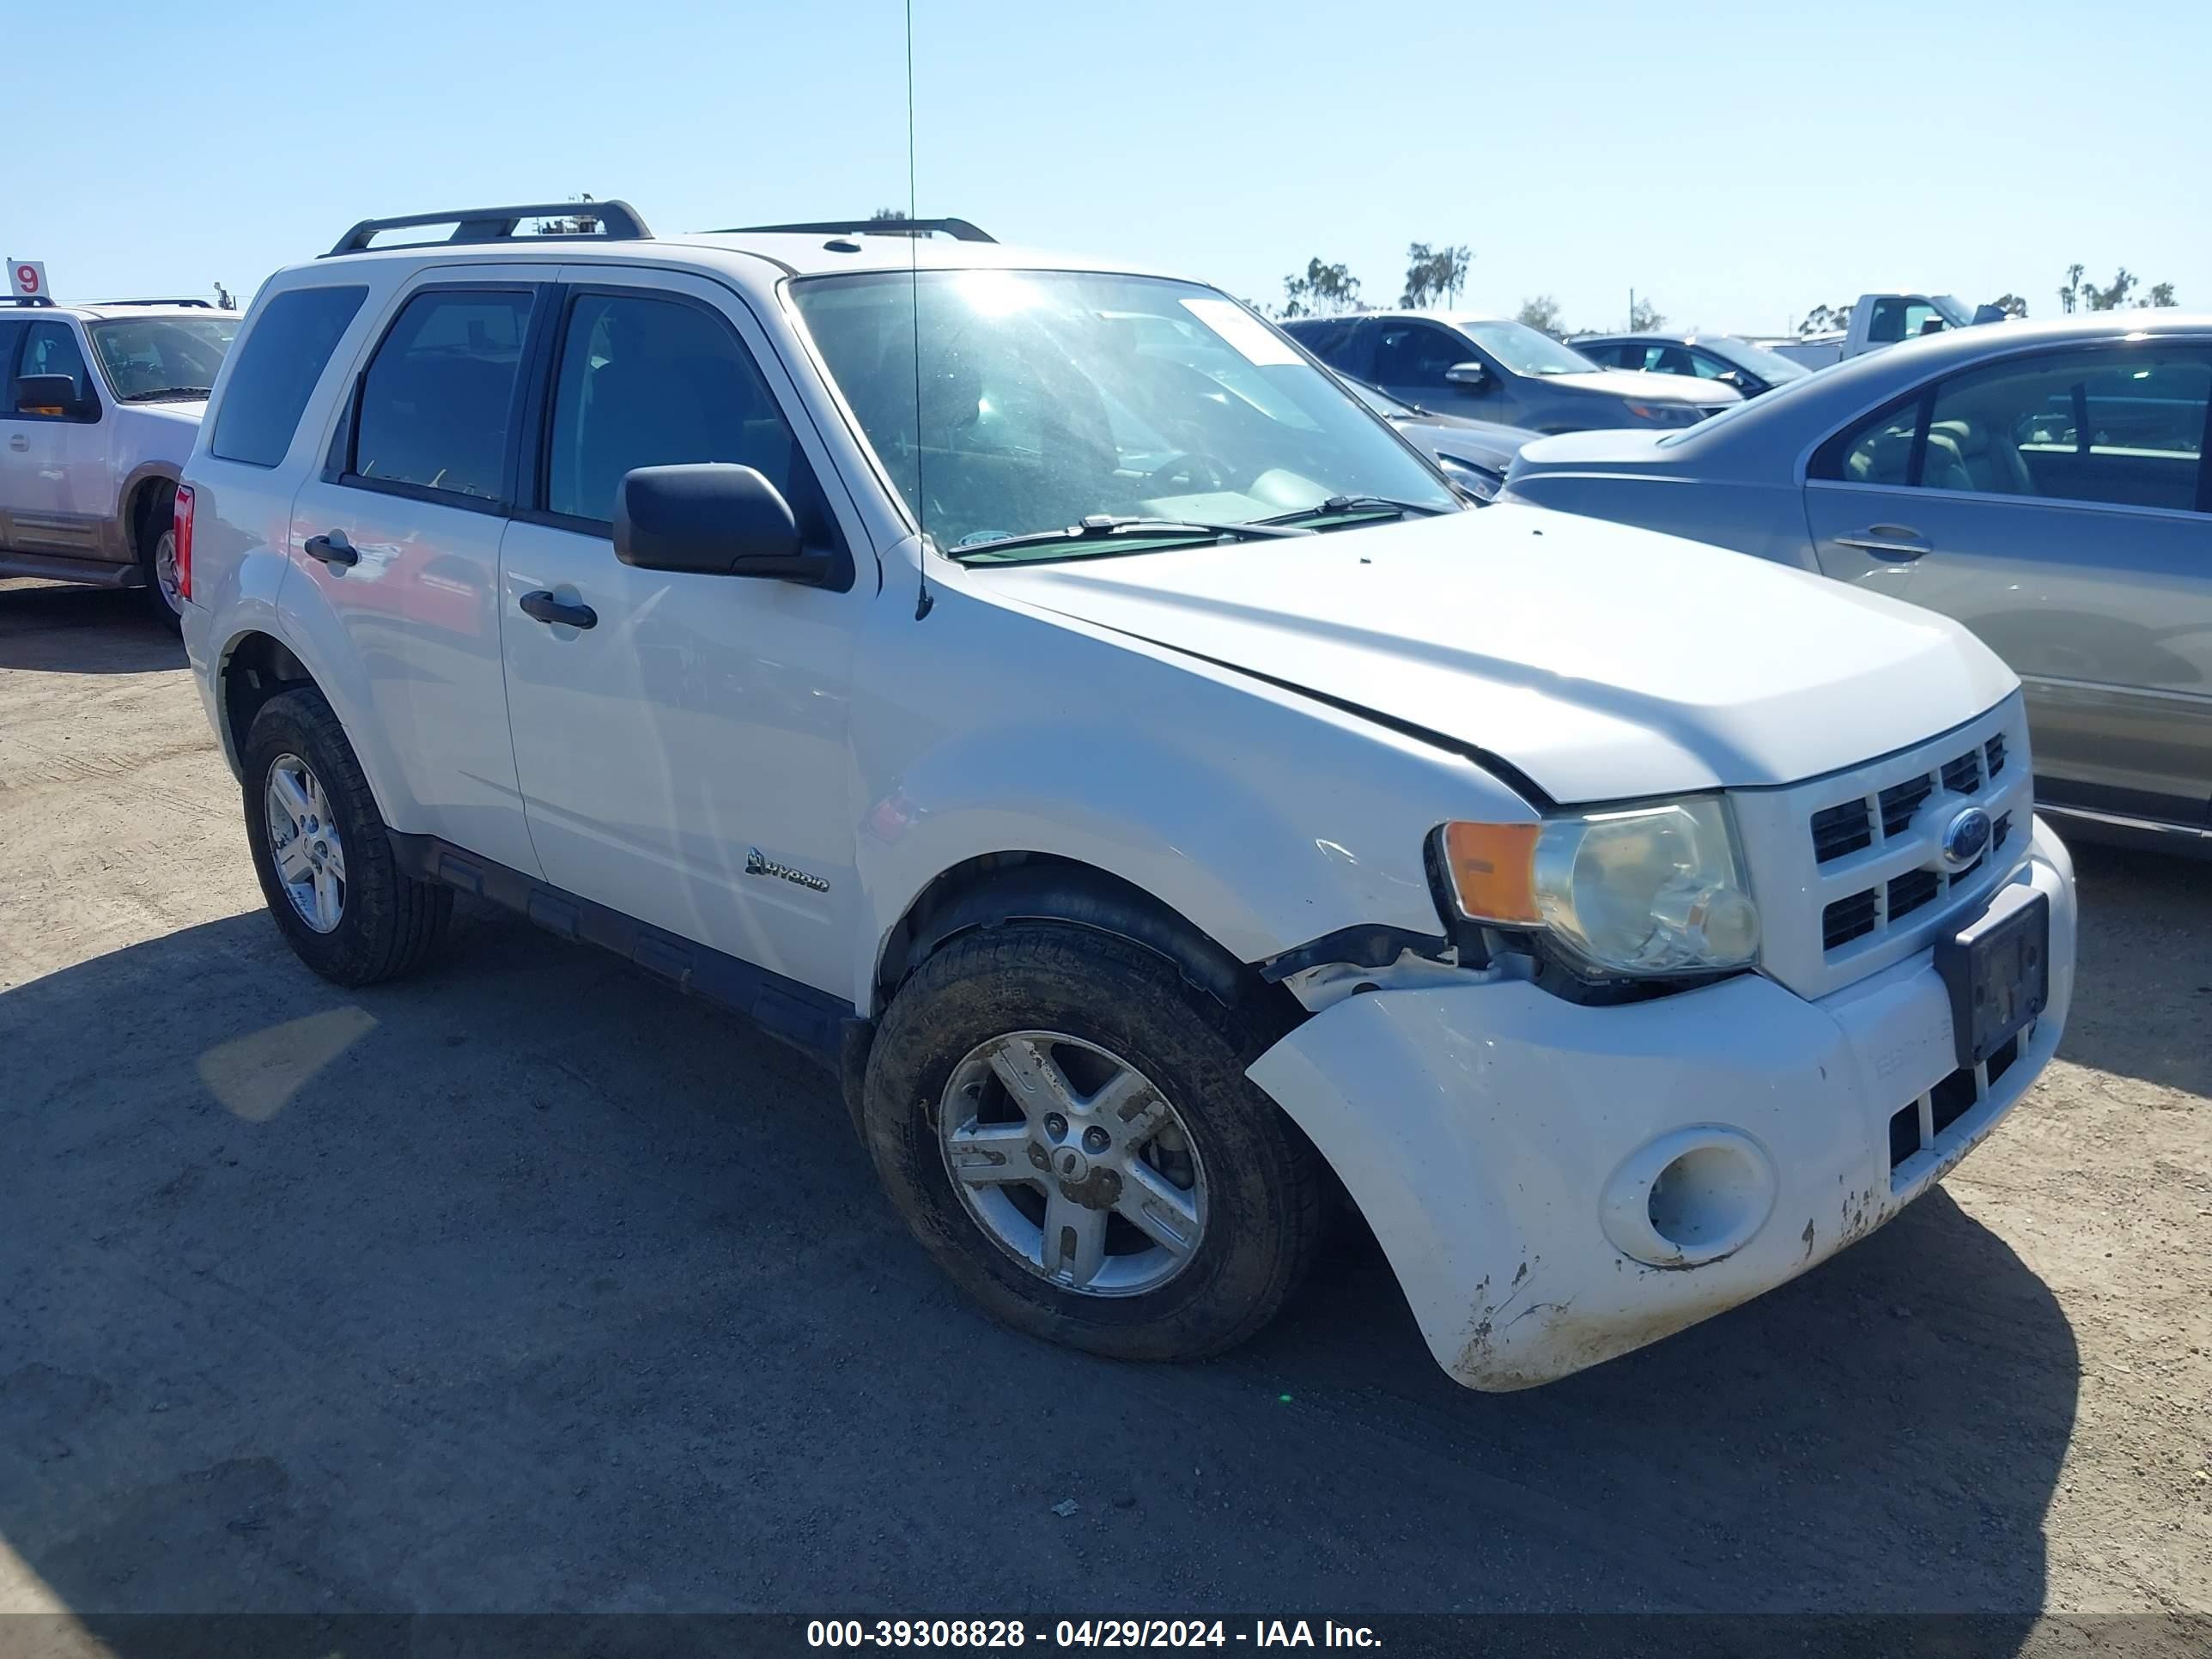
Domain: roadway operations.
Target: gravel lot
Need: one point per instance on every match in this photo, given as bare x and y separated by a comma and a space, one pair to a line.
526, 1285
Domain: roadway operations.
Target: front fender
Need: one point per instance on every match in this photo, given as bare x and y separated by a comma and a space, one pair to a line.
1265, 819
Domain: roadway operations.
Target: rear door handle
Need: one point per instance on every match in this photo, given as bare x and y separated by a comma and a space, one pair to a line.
1898, 541
332, 549
17, 441
547, 608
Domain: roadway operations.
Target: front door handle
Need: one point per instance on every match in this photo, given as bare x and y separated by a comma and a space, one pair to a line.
547, 608
332, 549
1896, 541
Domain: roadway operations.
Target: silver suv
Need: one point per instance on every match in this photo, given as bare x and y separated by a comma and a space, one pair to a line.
100, 403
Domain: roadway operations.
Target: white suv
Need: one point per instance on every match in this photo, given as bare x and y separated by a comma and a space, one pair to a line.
99, 404
1042, 689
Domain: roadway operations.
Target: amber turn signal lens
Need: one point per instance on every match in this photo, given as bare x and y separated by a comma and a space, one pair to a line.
1493, 871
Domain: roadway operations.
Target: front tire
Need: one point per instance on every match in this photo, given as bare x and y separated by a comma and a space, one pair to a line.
323, 854
1064, 1123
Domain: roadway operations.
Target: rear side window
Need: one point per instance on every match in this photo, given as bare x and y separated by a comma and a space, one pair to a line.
654, 382
1329, 341
438, 400
277, 370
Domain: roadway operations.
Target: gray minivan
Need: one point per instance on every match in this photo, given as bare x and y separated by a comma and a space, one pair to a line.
1492, 369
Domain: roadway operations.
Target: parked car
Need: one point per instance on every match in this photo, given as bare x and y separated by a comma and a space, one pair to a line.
1150, 794
2043, 483
1885, 320
1746, 368
1492, 368
99, 406
1473, 454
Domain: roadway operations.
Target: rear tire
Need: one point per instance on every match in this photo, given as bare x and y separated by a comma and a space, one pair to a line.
155, 536
1251, 1191
384, 922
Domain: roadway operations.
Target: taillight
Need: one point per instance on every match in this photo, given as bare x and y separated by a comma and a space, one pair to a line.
184, 534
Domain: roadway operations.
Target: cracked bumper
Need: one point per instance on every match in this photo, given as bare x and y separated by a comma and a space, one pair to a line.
1488, 1134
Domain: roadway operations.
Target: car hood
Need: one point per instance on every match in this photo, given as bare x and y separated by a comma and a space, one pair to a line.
1484, 442
1602, 661
1646, 388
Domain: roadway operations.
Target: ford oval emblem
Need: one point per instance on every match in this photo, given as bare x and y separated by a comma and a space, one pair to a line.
1967, 837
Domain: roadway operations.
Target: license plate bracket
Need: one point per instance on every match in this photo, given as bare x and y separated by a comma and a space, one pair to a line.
1998, 970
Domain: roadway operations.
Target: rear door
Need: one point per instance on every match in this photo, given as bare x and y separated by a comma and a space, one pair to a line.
2054, 501
684, 754
399, 535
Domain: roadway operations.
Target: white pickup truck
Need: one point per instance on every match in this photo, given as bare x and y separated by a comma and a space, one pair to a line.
1041, 688
1880, 319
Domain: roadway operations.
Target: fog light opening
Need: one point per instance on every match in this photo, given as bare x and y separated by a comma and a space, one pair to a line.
1708, 1197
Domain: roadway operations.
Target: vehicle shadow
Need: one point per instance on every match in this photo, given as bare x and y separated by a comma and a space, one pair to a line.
2146, 924
524, 1286
57, 628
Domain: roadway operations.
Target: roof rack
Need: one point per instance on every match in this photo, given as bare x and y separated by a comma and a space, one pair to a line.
202, 305
618, 220
958, 229
25, 299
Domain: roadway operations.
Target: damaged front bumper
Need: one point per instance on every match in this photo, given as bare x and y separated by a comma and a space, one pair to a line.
1504, 1145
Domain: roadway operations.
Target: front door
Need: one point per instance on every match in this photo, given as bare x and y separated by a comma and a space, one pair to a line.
683, 757
399, 537
2053, 503
60, 498
1411, 358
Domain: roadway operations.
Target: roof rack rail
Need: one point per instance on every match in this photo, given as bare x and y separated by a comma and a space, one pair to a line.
958, 229
202, 305
26, 299
618, 220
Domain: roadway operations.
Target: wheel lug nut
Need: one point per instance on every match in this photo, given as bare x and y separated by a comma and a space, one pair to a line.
1056, 1125
1095, 1141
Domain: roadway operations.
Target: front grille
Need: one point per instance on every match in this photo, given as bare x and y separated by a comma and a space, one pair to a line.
1963, 776
1909, 891
1923, 1124
1840, 830
1847, 919
1993, 750
1900, 801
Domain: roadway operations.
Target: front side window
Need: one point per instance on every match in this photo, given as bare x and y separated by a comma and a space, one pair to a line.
277, 370
439, 396
1042, 399
150, 359
51, 349
1417, 354
658, 382
2121, 425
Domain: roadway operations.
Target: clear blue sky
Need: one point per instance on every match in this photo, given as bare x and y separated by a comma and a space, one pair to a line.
1739, 163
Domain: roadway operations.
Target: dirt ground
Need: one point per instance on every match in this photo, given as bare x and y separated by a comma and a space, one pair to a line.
527, 1286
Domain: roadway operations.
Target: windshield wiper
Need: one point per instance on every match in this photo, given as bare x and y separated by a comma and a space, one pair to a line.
1336, 504
1101, 525
167, 391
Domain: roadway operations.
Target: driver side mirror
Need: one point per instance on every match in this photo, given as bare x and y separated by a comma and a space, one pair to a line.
712, 520
1470, 375
1734, 377
49, 394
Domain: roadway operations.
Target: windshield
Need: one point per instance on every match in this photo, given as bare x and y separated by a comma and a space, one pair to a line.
149, 359
1771, 367
1526, 350
1952, 313
1048, 397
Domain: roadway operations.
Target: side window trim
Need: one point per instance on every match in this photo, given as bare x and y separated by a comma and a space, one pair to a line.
543, 378
338, 464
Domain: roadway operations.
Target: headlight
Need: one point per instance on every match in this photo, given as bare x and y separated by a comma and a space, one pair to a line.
1664, 414
1642, 889
1478, 482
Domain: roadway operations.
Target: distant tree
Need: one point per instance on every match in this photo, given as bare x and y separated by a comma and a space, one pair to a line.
881, 214
1645, 317
2087, 296
2011, 304
1433, 273
1541, 310
1823, 319
223, 298
2161, 294
1323, 291
575, 224
2070, 296
2109, 299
